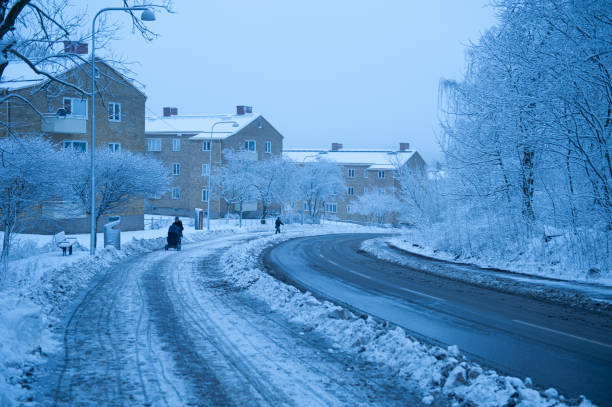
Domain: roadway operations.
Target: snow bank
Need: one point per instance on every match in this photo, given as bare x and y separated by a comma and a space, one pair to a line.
595, 296
441, 375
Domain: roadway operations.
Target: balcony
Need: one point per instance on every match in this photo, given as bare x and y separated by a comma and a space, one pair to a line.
52, 123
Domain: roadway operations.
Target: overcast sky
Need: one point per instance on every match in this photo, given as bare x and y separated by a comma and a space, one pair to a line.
358, 72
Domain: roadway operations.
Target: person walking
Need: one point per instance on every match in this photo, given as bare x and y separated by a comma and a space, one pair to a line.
179, 224
277, 225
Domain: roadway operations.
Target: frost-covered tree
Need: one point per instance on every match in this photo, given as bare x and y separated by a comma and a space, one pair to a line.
30, 168
316, 183
527, 131
378, 206
270, 180
121, 177
233, 180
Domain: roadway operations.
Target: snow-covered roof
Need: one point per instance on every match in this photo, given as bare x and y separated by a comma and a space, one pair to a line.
199, 126
374, 159
19, 75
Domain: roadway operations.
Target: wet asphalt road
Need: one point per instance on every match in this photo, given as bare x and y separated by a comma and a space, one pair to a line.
557, 346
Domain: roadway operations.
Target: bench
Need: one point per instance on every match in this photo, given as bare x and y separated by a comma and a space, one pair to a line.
64, 242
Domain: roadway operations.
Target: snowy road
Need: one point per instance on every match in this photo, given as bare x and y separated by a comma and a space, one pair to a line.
557, 346
166, 329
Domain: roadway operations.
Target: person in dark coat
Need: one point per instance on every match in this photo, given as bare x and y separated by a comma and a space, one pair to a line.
277, 225
178, 223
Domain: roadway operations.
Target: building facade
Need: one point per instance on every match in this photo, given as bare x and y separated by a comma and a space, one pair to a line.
187, 143
66, 120
363, 170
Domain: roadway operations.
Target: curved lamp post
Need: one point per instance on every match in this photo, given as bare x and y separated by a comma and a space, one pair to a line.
234, 124
147, 15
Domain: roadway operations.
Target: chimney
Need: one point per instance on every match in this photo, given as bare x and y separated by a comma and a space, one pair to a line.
336, 146
170, 111
249, 109
242, 110
404, 146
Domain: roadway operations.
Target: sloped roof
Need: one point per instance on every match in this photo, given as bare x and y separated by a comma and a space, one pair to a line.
19, 75
373, 159
199, 126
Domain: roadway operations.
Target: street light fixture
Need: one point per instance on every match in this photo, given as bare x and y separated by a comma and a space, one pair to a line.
147, 15
234, 124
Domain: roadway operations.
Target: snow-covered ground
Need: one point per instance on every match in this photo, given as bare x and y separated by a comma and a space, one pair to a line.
42, 287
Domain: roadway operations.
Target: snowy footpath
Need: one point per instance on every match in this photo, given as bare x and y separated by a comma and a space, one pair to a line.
209, 326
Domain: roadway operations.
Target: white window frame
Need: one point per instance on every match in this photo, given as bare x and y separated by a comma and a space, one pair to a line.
176, 168
206, 144
70, 144
154, 144
176, 193
176, 144
381, 174
114, 117
114, 147
348, 209
85, 116
269, 147
350, 191
204, 194
351, 173
247, 145
205, 170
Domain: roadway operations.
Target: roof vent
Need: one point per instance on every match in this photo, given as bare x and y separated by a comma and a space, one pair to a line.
336, 147
404, 146
170, 111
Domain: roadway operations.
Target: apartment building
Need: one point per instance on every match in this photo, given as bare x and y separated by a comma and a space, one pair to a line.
364, 171
65, 120
186, 144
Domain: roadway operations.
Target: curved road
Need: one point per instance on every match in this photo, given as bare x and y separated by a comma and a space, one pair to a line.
556, 346
167, 329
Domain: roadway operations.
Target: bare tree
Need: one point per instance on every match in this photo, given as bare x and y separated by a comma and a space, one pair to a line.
316, 183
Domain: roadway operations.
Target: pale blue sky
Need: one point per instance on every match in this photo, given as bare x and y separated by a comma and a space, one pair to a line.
361, 73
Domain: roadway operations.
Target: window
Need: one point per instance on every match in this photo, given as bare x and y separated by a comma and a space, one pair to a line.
330, 207
348, 209
176, 169
381, 192
306, 208
205, 195
114, 147
205, 145
176, 193
76, 145
268, 146
176, 144
249, 145
351, 173
75, 107
350, 191
205, 170
153, 144
365, 173
114, 112
381, 174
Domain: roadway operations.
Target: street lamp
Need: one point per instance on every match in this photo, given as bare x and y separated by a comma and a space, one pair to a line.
147, 15
234, 124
